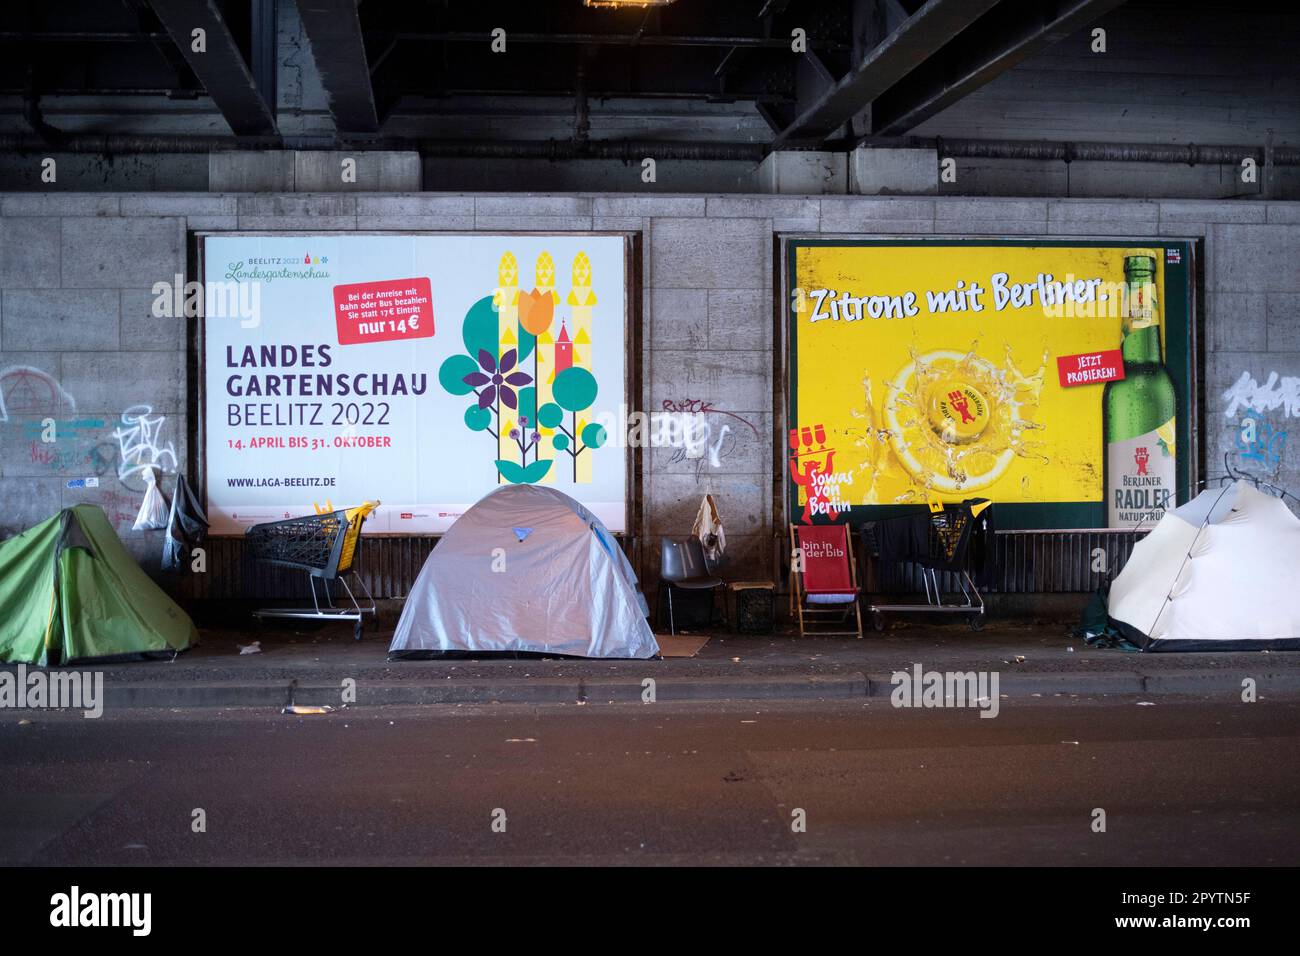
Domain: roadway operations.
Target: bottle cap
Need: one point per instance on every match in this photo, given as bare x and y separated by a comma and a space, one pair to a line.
957, 410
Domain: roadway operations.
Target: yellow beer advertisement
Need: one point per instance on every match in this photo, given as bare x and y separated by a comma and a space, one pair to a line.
1050, 377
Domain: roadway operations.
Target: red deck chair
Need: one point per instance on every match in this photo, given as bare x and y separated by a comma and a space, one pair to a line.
827, 586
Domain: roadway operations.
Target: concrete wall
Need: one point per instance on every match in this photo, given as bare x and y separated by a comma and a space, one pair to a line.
1092, 180
895, 172
78, 344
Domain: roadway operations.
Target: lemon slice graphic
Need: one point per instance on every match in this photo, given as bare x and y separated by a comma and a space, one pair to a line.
1166, 434
949, 426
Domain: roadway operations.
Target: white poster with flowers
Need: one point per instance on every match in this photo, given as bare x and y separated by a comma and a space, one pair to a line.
419, 370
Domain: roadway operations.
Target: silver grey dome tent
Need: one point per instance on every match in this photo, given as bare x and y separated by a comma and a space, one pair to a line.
1221, 572
526, 570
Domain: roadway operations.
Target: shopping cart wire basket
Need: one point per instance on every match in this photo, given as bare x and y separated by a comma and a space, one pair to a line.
326, 547
936, 542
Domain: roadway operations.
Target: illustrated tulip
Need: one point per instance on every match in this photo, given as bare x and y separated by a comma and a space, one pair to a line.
536, 310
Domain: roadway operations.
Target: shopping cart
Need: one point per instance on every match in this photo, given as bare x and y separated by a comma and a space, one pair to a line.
326, 547
937, 541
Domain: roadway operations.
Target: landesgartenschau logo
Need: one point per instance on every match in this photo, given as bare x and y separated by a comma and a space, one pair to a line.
76, 909
270, 268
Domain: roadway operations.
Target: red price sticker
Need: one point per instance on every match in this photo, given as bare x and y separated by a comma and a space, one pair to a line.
383, 311
1090, 368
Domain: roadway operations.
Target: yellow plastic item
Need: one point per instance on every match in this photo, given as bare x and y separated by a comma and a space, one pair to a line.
355, 517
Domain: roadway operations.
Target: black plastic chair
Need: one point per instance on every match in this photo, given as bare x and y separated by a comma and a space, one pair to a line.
682, 565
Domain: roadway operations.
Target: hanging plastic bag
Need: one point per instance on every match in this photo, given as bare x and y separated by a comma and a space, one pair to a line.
186, 526
154, 509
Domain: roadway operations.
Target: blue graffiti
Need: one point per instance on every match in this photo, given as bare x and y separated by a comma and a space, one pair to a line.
1258, 441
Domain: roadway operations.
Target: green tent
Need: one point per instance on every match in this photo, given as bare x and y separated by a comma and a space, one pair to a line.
70, 591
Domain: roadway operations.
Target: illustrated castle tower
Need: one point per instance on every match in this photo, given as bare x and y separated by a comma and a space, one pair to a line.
582, 301
544, 365
506, 298
563, 351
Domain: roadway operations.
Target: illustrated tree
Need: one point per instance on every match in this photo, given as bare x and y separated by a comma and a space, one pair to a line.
496, 380
492, 371
574, 390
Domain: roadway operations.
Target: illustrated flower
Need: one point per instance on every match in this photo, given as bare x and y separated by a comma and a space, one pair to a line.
536, 310
495, 380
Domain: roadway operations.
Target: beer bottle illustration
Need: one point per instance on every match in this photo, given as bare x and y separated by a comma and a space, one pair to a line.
1138, 411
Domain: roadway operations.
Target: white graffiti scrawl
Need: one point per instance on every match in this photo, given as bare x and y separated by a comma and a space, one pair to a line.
1277, 392
137, 440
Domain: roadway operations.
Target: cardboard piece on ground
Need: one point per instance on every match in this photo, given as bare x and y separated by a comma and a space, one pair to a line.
681, 645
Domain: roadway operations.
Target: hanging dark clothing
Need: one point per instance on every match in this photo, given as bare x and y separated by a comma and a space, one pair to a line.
904, 538
982, 556
186, 525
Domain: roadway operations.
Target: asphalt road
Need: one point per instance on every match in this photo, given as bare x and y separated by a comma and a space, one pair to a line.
1181, 782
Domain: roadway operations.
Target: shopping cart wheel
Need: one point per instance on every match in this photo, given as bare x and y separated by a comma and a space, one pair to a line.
878, 620
356, 631
976, 621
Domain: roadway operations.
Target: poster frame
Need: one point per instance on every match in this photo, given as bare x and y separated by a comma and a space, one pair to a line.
196, 365
1018, 516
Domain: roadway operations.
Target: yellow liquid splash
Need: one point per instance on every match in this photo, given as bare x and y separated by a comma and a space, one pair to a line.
953, 422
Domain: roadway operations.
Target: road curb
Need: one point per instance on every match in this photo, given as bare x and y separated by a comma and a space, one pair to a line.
1183, 682
574, 690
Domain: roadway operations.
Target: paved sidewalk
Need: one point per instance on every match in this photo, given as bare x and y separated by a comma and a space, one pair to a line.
1030, 659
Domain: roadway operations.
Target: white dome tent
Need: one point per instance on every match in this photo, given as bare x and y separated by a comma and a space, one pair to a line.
526, 570
1221, 572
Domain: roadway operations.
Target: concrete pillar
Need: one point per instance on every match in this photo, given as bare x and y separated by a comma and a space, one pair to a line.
875, 171
803, 173
316, 171
374, 171
250, 171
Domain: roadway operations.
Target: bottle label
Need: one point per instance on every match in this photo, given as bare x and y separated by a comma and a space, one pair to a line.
1142, 305
1141, 477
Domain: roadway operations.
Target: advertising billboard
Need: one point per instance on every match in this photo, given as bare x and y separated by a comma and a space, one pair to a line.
418, 370
1051, 377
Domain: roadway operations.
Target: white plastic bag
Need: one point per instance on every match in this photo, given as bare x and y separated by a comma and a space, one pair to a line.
154, 508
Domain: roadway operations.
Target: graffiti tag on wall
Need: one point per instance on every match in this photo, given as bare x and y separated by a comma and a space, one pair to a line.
684, 425
1260, 443
138, 442
28, 392
1278, 392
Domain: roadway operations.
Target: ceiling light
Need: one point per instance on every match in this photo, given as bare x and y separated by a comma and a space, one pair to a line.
616, 4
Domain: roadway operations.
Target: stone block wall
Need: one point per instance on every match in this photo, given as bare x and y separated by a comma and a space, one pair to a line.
78, 343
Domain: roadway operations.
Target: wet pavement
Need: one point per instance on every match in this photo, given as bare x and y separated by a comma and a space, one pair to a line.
1182, 781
